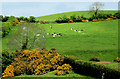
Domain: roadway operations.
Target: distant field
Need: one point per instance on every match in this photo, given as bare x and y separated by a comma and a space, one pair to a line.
77, 13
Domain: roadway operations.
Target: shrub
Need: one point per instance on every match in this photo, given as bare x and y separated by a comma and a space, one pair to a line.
4, 19
43, 22
26, 19
11, 19
1, 18
38, 23
95, 59
8, 72
14, 24
63, 19
108, 19
78, 19
6, 27
36, 61
21, 18
92, 69
73, 18
59, 20
32, 19
117, 60
20, 66
70, 21
16, 21
64, 69
22, 21
101, 19
84, 20
94, 20
7, 59
67, 68
117, 15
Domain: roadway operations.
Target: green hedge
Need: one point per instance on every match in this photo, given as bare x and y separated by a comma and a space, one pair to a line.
6, 27
91, 69
6, 59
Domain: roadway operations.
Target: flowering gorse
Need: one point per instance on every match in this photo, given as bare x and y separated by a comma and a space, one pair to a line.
36, 61
8, 72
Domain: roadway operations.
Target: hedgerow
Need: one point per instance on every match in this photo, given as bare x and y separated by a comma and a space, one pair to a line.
92, 69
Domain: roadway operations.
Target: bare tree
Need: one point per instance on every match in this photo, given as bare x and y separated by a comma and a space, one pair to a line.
95, 7
27, 36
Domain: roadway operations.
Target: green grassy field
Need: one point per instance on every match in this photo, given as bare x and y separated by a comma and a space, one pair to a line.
100, 39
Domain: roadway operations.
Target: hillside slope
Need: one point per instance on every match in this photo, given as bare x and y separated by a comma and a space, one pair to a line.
53, 17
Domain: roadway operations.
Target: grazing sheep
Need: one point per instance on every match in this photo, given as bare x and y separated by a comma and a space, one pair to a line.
79, 31
75, 30
43, 36
48, 33
53, 33
38, 35
71, 29
83, 33
60, 34
24, 28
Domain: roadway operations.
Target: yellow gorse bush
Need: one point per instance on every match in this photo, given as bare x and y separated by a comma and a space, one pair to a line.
16, 21
36, 61
118, 59
22, 21
109, 19
84, 20
64, 69
14, 24
94, 20
8, 72
43, 22
38, 23
70, 21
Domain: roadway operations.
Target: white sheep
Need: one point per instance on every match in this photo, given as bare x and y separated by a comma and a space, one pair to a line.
79, 31
75, 30
48, 33
83, 33
43, 36
71, 29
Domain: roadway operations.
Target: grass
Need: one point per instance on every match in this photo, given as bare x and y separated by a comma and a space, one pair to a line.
51, 75
112, 65
68, 14
100, 39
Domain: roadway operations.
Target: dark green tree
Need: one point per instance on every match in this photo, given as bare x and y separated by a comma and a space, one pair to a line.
32, 19
5, 18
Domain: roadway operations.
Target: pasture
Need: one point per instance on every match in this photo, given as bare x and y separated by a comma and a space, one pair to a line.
83, 40
100, 39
